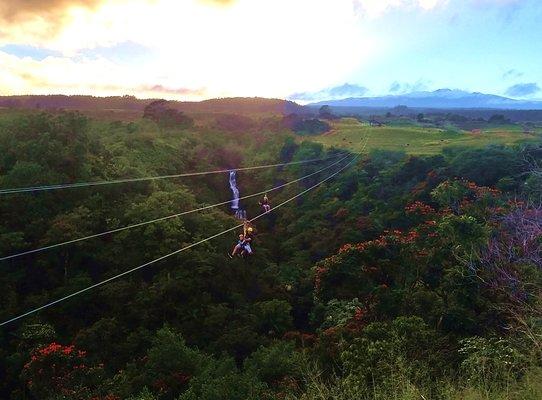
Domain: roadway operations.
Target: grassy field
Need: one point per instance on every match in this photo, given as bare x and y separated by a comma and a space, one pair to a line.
350, 133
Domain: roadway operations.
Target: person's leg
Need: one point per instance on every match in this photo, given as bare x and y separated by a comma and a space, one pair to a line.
248, 249
236, 249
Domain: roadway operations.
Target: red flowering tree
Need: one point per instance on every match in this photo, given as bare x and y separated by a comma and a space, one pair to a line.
460, 195
364, 269
63, 372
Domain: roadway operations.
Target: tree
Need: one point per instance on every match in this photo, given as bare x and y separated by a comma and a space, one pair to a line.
62, 372
159, 112
273, 363
404, 348
325, 112
273, 316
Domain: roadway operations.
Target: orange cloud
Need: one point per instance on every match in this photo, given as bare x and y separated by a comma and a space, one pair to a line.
219, 2
65, 76
32, 20
15, 11
178, 91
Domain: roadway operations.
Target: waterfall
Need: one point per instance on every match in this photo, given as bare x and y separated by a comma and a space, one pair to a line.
235, 191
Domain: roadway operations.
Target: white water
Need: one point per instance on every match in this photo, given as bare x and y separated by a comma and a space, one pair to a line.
235, 191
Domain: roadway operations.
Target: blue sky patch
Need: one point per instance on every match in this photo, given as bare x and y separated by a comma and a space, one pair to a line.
21, 51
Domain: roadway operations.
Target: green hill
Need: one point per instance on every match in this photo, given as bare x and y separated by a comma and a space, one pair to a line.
349, 133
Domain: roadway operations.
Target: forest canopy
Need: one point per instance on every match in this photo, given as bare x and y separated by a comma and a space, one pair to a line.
403, 276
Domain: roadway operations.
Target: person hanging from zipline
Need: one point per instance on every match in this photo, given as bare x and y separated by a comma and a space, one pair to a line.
239, 247
243, 247
248, 233
265, 204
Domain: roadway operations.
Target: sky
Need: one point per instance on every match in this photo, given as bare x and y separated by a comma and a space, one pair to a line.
304, 50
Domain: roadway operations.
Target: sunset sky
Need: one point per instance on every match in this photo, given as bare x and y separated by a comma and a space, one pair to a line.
299, 49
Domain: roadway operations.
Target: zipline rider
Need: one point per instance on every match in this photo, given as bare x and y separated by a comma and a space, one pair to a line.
248, 232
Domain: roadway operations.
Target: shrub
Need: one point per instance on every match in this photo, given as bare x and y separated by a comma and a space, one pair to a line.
488, 361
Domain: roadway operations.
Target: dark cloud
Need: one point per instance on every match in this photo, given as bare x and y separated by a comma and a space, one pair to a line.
338, 92
512, 74
523, 89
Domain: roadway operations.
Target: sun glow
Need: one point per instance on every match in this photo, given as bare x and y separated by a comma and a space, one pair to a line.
195, 48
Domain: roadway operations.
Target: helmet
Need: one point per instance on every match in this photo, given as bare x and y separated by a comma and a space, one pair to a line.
249, 230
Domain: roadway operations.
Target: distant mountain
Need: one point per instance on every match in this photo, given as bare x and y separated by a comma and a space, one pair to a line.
442, 98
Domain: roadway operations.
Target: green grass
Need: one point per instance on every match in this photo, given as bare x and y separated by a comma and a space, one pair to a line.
528, 387
350, 134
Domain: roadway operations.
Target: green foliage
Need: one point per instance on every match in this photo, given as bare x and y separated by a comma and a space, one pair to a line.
305, 126
167, 367
145, 394
273, 316
533, 187
490, 361
275, 362
406, 347
366, 288
464, 230
167, 117
340, 312
450, 194
175, 371
528, 388
223, 382
35, 335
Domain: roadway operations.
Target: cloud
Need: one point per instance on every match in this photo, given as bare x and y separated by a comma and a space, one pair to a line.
231, 51
178, 91
219, 2
347, 90
14, 11
496, 2
523, 90
67, 76
30, 19
34, 22
395, 87
377, 8
507, 9
512, 74
56, 12
333, 93
418, 86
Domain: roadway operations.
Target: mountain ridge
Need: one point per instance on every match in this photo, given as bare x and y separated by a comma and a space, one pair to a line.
238, 105
440, 98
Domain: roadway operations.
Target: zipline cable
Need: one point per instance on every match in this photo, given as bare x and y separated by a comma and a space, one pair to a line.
52, 246
151, 178
174, 252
